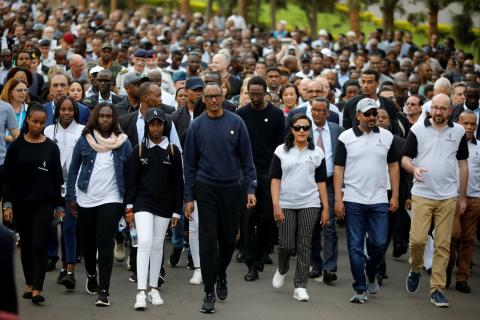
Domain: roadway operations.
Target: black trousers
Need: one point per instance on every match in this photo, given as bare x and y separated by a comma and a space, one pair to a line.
258, 224
217, 215
98, 225
34, 222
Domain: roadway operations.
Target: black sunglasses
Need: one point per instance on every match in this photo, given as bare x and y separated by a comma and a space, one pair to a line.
298, 128
370, 113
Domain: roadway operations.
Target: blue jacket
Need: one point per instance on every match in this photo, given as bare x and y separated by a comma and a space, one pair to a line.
84, 156
83, 113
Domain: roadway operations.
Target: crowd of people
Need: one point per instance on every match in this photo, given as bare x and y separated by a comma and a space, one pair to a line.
126, 130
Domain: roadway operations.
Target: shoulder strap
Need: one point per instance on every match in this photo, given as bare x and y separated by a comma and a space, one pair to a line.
172, 151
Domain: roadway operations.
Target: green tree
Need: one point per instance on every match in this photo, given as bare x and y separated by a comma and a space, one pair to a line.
312, 8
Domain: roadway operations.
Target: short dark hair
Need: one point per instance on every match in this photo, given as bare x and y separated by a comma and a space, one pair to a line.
144, 88
321, 99
372, 72
256, 80
272, 69
472, 85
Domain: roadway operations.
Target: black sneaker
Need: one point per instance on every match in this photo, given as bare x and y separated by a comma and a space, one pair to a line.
92, 284
103, 299
133, 277
68, 281
222, 290
61, 275
51, 264
208, 305
190, 265
329, 277
240, 257
463, 286
175, 256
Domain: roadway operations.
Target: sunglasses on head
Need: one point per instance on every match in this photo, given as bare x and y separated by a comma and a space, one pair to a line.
371, 112
298, 128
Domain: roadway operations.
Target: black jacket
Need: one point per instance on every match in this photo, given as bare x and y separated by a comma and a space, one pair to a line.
123, 107
128, 123
457, 110
181, 119
92, 101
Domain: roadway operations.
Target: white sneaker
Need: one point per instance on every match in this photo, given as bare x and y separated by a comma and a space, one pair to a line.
197, 277
278, 279
300, 294
140, 301
154, 297
119, 251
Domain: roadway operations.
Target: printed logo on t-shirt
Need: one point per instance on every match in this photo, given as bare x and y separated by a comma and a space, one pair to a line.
449, 138
144, 161
43, 167
380, 143
232, 132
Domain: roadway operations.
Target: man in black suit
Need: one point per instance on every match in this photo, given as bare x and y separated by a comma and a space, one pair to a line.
133, 124
209, 77
104, 94
472, 96
369, 82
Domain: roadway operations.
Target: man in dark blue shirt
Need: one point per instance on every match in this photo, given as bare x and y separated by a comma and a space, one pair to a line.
217, 153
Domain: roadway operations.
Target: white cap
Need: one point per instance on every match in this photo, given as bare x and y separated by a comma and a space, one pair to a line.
327, 52
323, 32
366, 104
96, 69
351, 34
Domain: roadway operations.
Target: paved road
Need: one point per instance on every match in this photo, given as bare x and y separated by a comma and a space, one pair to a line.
257, 300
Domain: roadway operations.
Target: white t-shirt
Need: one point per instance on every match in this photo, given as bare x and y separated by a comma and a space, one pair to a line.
102, 187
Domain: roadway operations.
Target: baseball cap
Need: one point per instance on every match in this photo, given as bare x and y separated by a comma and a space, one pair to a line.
194, 83
366, 104
96, 69
179, 76
305, 57
107, 45
68, 37
327, 52
44, 43
133, 77
154, 113
38, 27
323, 32
140, 53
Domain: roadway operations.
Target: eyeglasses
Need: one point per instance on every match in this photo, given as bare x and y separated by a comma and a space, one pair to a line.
370, 113
441, 109
21, 90
298, 128
59, 85
315, 91
213, 96
256, 94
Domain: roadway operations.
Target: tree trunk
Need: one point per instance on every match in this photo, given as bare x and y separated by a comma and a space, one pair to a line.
113, 5
388, 10
354, 6
242, 8
257, 11
273, 14
312, 18
132, 5
185, 8
208, 11
432, 21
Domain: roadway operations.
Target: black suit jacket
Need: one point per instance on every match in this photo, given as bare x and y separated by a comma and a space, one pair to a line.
128, 123
92, 101
181, 119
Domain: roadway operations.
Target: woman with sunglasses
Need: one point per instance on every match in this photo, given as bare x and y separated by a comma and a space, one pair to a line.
33, 180
299, 193
65, 131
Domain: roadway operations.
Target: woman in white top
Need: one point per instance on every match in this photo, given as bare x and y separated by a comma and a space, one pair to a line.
299, 176
100, 155
65, 131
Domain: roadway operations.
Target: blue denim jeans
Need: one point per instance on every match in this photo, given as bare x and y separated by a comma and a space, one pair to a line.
360, 220
69, 237
178, 234
330, 240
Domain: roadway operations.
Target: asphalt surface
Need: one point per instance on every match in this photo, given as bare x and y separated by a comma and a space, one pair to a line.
255, 300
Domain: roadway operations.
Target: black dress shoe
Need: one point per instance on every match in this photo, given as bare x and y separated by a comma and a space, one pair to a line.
314, 273
252, 274
51, 264
27, 295
462, 286
37, 299
267, 260
329, 277
222, 290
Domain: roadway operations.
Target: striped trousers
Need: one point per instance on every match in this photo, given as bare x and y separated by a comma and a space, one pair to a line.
295, 235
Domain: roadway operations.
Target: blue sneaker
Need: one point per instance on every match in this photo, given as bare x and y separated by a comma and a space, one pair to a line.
439, 300
413, 281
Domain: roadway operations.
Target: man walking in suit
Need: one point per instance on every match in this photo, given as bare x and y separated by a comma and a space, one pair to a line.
325, 135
